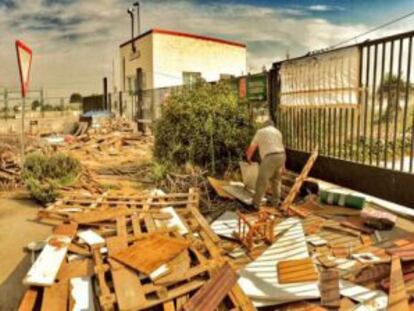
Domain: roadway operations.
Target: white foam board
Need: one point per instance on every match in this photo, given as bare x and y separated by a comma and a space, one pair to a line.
174, 221
44, 270
81, 292
91, 237
226, 224
369, 299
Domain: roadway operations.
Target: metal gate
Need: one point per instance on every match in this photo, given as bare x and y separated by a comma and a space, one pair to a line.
358, 143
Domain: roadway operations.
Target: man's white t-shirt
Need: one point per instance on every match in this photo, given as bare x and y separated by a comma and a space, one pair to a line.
269, 139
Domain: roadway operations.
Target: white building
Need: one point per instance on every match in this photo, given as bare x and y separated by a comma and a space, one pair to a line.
163, 58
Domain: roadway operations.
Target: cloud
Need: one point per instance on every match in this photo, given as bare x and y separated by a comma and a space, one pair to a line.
323, 8
76, 42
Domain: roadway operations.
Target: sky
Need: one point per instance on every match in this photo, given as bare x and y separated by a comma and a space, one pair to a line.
76, 42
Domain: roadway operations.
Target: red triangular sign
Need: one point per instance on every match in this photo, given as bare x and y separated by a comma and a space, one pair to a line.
24, 59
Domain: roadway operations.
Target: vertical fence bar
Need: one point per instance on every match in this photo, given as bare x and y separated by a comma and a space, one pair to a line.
387, 125
366, 92
302, 125
320, 129
346, 133
329, 130
374, 82
407, 96
292, 127
334, 132
340, 133
325, 131
297, 112
306, 130
315, 127
381, 100
351, 147
358, 116
397, 104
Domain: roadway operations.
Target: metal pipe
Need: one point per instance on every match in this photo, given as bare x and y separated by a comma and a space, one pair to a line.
131, 14
136, 4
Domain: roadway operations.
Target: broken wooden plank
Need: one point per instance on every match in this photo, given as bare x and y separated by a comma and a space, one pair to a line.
398, 299
89, 217
29, 299
213, 292
75, 269
66, 229
55, 297
127, 284
288, 201
329, 287
148, 254
296, 270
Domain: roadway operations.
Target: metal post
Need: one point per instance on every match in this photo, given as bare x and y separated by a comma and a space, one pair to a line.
42, 98
121, 105
62, 105
22, 133
6, 104
105, 90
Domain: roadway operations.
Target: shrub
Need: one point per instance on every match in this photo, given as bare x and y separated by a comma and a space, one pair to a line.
204, 125
44, 175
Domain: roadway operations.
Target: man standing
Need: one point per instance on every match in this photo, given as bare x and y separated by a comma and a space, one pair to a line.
272, 153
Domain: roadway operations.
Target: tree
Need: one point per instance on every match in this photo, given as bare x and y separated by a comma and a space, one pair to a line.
75, 98
204, 125
390, 89
35, 104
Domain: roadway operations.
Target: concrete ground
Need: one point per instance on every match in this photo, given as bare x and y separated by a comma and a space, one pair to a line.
17, 229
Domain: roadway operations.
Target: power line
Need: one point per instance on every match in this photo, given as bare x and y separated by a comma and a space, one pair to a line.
372, 30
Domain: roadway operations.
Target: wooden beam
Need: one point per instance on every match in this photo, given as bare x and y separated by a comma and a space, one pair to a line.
398, 299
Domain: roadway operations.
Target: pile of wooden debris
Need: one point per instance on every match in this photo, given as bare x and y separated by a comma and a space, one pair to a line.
155, 251
10, 169
132, 252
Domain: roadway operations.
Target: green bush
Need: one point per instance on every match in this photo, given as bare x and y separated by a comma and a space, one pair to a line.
204, 125
44, 175
43, 193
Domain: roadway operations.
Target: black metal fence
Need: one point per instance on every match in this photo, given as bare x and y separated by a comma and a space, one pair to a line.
379, 129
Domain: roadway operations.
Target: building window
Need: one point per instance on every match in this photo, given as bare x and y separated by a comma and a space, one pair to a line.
190, 78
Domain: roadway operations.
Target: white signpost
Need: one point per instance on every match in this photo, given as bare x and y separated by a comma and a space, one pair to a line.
24, 60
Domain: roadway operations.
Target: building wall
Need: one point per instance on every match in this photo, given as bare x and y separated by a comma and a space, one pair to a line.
143, 58
175, 54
